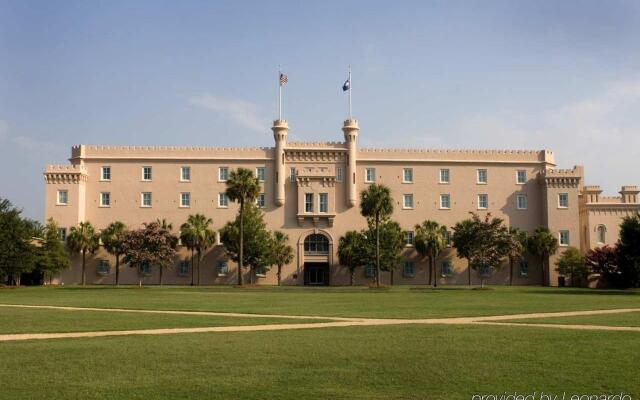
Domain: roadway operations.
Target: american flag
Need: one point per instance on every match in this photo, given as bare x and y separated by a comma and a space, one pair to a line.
283, 79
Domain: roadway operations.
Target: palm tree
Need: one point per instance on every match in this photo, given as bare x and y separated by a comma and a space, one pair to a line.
112, 237
281, 252
430, 240
376, 205
543, 244
83, 239
351, 249
187, 237
242, 187
517, 243
198, 236
167, 227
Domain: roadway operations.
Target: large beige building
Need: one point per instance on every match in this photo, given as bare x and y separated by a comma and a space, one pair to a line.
310, 190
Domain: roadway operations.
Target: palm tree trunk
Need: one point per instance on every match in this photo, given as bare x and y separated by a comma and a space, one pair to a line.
279, 273
199, 257
241, 255
353, 273
469, 271
543, 270
392, 277
435, 272
161, 275
192, 268
377, 250
83, 266
429, 271
117, 270
510, 271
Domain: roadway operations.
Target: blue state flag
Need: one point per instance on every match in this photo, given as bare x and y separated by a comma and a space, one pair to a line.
347, 85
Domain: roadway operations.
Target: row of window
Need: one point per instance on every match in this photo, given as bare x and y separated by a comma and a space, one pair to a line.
103, 267
482, 176
446, 269
185, 173
146, 199
563, 238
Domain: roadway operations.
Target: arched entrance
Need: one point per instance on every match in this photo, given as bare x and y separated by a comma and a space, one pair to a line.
316, 252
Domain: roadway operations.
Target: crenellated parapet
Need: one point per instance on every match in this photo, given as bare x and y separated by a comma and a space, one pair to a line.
316, 145
562, 178
73, 174
458, 155
328, 155
86, 152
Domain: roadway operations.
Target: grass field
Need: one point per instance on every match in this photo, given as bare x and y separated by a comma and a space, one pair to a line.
624, 319
358, 362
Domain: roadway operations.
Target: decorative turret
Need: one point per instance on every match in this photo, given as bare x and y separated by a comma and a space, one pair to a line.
280, 131
351, 130
629, 194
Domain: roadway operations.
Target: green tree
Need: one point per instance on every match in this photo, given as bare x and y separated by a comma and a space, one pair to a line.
391, 245
376, 204
53, 255
430, 240
517, 241
198, 236
464, 233
543, 244
629, 251
112, 238
151, 245
17, 253
243, 188
281, 252
352, 251
572, 263
83, 239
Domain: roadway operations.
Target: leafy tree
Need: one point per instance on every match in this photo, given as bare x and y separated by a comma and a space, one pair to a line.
16, 250
53, 256
376, 205
391, 245
83, 239
430, 240
243, 188
352, 251
112, 238
150, 245
198, 236
572, 263
604, 261
543, 244
629, 250
464, 233
256, 239
168, 227
281, 252
517, 242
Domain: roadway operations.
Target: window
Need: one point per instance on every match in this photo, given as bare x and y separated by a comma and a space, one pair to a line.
105, 199
564, 238
316, 244
407, 201
292, 174
521, 202
183, 268
563, 200
145, 269
185, 199
446, 268
63, 197
444, 176
223, 174
103, 267
370, 271
185, 174
223, 268
339, 174
323, 201
483, 201
146, 199
261, 201
409, 269
408, 238
146, 173
105, 174
407, 175
445, 201
369, 175
524, 268
521, 177
261, 271
260, 172
62, 234
448, 238
482, 176
223, 200
308, 202
602, 234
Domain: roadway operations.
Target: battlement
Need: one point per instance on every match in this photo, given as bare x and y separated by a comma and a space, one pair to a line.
320, 145
483, 155
65, 174
81, 152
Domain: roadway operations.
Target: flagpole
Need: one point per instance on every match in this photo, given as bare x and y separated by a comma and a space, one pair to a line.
279, 94
350, 90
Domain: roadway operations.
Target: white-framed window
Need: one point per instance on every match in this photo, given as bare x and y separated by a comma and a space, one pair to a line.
409, 269
602, 234
62, 234
563, 200
445, 175
407, 175
524, 268
223, 174
292, 174
183, 268
260, 173
521, 177
145, 199
105, 173
105, 199
564, 238
222, 268
323, 202
261, 200
147, 173
408, 238
185, 199
223, 200
445, 201
103, 267
339, 174
482, 176
370, 271
446, 269
521, 202
369, 175
261, 271
448, 238
407, 201
308, 202
185, 174
62, 198
483, 201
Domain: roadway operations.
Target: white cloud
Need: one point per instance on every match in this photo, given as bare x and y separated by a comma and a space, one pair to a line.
241, 112
21, 142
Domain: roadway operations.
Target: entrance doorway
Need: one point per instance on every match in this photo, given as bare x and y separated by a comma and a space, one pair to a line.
316, 274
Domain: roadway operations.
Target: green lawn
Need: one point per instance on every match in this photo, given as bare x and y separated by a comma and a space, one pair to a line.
624, 319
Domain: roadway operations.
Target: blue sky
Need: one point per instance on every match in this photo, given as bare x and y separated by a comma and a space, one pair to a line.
444, 74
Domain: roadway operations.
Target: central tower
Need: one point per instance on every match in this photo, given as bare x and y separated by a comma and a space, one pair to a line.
351, 129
